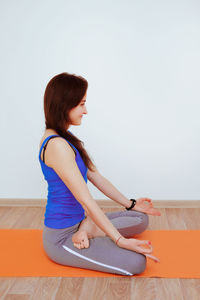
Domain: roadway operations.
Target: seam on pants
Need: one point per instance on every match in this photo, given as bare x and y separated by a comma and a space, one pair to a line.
94, 261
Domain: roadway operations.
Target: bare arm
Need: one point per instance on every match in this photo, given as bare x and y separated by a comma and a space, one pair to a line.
107, 188
60, 157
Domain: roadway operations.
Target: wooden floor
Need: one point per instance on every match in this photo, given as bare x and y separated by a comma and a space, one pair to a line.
58, 288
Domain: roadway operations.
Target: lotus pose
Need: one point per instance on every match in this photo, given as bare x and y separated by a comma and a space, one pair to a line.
76, 231
88, 229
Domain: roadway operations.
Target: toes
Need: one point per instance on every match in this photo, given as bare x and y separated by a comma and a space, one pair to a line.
78, 237
82, 245
86, 243
77, 245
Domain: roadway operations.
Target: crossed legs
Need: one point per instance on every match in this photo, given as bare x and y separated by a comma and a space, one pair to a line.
127, 223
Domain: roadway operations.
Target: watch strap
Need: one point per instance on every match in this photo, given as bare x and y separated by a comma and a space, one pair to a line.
132, 205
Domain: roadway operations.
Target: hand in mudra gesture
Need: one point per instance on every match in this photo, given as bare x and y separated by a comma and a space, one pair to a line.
136, 245
147, 208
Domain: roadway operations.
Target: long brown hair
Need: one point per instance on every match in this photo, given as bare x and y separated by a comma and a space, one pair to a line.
64, 92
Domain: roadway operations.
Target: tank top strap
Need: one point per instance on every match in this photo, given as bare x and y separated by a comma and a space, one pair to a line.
45, 142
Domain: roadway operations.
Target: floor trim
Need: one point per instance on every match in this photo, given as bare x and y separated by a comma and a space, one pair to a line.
102, 203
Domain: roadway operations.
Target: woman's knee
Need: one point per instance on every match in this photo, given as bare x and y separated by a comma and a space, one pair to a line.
143, 263
144, 218
139, 265
145, 221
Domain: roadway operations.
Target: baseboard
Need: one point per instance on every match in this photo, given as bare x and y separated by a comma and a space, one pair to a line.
102, 203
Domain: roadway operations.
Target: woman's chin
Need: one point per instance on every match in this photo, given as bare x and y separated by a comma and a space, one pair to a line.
77, 123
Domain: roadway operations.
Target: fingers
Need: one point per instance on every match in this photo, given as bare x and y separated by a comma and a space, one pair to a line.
143, 249
148, 200
152, 257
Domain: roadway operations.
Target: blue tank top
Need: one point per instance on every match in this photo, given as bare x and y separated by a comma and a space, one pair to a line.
62, 209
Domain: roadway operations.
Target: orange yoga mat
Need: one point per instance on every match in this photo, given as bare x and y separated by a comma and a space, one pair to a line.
22, 254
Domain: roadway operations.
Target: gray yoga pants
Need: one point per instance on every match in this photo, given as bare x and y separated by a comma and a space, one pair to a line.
103, 254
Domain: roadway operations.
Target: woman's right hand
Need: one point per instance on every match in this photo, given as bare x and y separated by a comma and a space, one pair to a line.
136, 245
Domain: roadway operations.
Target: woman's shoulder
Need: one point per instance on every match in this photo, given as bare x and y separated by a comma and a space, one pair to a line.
47, 133
61, 142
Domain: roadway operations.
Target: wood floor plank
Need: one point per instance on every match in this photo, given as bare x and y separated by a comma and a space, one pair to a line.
69, 288
191, 217
175, 219
46, 288
16, 297
190, 288
168, 288
143, 288
118, 288
23, 285
158, 222
3, 211
107, 288
5, 284
93, 288
8, 220
29, 219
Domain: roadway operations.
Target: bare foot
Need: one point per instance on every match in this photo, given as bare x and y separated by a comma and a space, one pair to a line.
87, 230
80, 239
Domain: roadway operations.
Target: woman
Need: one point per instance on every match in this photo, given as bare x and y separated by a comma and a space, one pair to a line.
76, 231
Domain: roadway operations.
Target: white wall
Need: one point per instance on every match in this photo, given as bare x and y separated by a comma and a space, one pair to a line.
142, 62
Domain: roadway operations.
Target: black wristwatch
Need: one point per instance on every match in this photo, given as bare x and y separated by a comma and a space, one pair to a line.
132, 205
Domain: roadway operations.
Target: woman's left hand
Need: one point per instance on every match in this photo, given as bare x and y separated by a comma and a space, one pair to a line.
146, 207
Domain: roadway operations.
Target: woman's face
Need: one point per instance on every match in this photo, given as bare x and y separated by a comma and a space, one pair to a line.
76, 113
